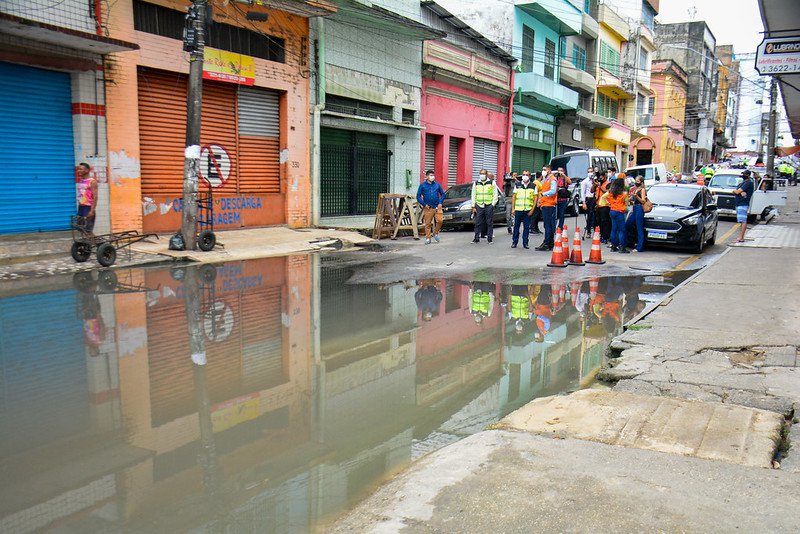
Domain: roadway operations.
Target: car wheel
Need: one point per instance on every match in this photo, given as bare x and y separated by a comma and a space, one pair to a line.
713, 239
698, 247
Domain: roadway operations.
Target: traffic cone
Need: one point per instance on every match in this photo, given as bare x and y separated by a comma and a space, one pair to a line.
554, 302
562, 293
594, 283
576, 257
595, 255
574, 289
565, 243
557, 259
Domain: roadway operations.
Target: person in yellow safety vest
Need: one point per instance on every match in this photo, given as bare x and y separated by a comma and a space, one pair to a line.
523, 202
481, 300
519, 307
708, 172
484, 199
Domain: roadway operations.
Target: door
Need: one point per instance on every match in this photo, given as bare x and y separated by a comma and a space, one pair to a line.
452, 162
354, 170
38, 193
644, 156
484, 156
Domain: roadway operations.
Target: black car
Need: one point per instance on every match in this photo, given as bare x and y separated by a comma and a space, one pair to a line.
683, 215
457, 207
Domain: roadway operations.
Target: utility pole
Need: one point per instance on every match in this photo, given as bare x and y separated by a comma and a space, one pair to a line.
194, 43
773, 122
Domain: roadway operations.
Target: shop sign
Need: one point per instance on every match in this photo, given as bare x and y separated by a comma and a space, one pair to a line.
223, 66
778, 56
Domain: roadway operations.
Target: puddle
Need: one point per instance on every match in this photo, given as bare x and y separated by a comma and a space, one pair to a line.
269, 395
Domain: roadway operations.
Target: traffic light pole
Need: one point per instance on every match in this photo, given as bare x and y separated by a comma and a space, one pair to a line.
773, 116
194, 42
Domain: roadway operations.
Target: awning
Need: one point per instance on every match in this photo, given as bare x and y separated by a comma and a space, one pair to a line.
784, 151
56, 35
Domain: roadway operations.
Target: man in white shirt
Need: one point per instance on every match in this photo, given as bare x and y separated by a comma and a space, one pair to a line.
588, 201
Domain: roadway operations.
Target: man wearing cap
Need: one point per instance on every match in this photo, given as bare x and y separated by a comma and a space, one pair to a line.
743, 194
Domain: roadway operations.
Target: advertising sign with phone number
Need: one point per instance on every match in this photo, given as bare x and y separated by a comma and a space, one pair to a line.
776, 56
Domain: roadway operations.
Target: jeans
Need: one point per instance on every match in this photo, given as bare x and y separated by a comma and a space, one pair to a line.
484, 222
521, 218
549, 218
591, 221
562, 211
618, 229
636, 219
430, 214
604, 222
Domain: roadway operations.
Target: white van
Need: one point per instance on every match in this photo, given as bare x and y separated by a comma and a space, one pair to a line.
576, 163
654, 173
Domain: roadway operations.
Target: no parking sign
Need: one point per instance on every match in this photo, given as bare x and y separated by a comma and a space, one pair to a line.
215, 164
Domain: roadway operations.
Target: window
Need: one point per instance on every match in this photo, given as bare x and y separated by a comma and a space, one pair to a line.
648, 16
547, 138
562, 47
527, 48
607, 107
166, 22
533, 134
519, 131
549, 59
640, 104
644, 61
409, 116
651, 105
609, 58
578, 57
361, 108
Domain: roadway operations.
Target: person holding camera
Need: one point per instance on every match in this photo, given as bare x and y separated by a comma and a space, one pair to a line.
562, 193
587, 200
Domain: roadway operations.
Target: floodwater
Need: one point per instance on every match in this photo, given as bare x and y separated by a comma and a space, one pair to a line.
268, 395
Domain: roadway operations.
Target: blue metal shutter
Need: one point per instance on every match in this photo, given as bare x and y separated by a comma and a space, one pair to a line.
38, 185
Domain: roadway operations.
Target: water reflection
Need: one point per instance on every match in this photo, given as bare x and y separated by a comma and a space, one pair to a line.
268, 395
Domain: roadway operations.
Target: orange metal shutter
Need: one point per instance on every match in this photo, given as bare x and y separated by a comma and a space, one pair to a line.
259, 140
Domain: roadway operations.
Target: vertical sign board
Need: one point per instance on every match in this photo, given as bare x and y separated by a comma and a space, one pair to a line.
215, 165
776, 56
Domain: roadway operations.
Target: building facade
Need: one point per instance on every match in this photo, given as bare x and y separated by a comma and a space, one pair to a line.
466, 101
728, 89
52, 79
692, 45
668, 82
366, 81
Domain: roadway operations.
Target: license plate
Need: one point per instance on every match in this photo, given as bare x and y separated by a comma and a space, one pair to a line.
657, 235
447, 216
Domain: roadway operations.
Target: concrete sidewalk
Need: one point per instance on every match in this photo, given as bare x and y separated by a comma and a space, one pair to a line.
705, 390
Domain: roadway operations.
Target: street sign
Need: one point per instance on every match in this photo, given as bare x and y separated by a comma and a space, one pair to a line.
679, 142
215, 164
780, 55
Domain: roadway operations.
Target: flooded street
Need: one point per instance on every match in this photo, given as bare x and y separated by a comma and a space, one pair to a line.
269, 395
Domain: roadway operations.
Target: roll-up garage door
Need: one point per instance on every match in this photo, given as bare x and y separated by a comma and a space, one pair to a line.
452, 163
522, 159
484, 156
38, 192
430, 153
259, 140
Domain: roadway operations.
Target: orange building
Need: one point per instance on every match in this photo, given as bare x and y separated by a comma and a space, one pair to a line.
255, 131
668, 81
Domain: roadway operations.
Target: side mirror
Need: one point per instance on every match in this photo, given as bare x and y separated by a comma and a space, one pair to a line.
711, 206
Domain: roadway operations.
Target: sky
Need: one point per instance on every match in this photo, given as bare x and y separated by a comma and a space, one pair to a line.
736, 22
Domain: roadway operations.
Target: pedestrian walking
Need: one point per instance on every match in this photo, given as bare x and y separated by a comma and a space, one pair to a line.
618, 202
484, 199
547, 200
428, 298
523, 201
743, 194
430, 195
87, 197
638, 196
562, 195
587, 200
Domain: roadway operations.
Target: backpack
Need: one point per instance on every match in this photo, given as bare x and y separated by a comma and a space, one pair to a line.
562, 192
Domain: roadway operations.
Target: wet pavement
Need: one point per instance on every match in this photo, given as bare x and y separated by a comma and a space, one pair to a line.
271, 394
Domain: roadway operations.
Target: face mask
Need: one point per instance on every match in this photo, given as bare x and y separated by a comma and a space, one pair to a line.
431, 178
483, 177
525, 179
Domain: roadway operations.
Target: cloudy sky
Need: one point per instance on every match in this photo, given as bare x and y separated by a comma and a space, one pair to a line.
736, 22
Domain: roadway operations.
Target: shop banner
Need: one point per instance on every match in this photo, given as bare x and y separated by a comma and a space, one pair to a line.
228, 67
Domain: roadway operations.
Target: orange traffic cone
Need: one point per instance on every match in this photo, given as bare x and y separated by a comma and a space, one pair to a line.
594, 283
576, 257
595, 255
562, 293
554, 301
565, 244
574, 289
557, 259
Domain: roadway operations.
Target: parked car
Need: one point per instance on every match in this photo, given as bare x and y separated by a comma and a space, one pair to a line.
683, 215
725, 181
654, 173
575, 163
457, 207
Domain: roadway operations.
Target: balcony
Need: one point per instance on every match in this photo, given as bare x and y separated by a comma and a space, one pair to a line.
535, 88
593, 120
577, 79
610, 85
560, 15
589, 27
616, 24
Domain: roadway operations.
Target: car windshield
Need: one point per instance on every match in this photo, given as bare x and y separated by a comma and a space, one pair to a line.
575, 166
725, 181
459, 191
647, 173
684, 197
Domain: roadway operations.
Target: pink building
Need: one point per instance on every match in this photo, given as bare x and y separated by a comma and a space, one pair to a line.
466, 102
669, 81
